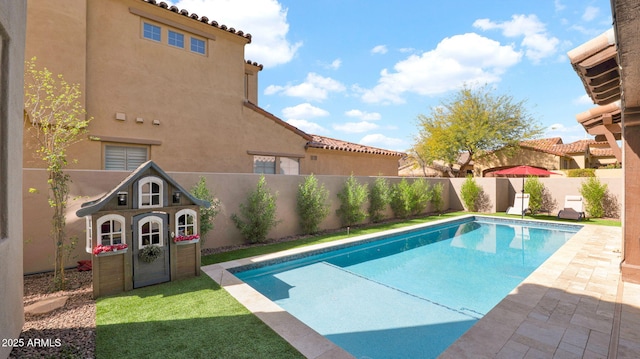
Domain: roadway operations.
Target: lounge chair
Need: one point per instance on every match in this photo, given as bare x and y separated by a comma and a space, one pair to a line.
520, 204
573, 208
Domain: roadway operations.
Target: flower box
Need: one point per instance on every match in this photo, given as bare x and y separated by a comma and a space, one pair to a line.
101, 251
180, 240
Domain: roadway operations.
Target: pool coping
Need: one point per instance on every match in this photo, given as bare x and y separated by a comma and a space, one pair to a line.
312, 344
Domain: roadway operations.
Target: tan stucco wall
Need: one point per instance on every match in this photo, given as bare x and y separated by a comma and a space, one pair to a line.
230, 189
335, 162
12, 39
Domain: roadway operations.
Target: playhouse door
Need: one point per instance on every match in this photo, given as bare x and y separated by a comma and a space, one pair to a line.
150, 229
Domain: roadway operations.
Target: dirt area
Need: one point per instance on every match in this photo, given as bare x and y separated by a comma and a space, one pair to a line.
67, 332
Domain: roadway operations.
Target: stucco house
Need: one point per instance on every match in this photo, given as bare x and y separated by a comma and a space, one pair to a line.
12, 33
174, 87
609, 68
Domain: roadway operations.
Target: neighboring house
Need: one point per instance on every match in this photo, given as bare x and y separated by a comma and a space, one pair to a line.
12, 38
171, 86
548, 153
608, 67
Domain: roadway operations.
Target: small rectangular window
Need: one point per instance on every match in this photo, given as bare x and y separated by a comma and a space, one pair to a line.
151, 32
123, 158
197, 46
289, 166
176, 39
264, 164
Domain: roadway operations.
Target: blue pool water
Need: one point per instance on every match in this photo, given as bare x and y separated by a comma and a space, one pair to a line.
412, 294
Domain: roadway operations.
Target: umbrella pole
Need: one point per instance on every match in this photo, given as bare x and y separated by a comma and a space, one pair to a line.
522, 199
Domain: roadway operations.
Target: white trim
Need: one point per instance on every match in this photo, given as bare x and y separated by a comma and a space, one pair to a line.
89, 234
151, 180
187, 212
151, 220
111, 217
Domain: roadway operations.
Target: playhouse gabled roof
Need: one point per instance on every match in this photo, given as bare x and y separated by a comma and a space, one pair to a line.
91, 207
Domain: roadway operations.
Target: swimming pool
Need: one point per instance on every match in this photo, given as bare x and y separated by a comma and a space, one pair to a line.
410, 294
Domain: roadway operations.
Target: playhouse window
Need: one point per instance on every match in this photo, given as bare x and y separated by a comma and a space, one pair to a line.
186, 224
110, 230
150, 232
150, 192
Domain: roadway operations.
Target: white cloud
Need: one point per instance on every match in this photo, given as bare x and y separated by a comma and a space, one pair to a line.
304, 110
315, 88
307, 126
355, 127
567, 133
583, 100
265, 20
380, 140
590, 13
335, 64
468, 58
380, 49
559, 5
367, 116
537, 42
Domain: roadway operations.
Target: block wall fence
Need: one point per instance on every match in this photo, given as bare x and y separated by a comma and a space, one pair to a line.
232, 189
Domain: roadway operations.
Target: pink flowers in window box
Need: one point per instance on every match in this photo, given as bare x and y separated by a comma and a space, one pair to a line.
112, 248
192, 237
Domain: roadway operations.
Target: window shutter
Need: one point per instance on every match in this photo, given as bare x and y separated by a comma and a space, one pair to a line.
121, 158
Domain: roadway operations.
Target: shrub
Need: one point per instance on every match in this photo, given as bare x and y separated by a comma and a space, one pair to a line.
419, 196
207, 215
258, 214
352, 196
379, 198
594, 194
581, 172
535, 189
471, 194
311, 204
401, 199
436, 197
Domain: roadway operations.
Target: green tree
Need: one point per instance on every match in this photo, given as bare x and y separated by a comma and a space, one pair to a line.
420, 195
535, 189
207, 214
471, 194
594, 193
258, 214
379, 198
312, 204
473, 121
352, 197
55, 120
401, 199
436, 197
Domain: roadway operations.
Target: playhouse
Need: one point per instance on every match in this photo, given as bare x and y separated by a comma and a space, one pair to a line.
142, 232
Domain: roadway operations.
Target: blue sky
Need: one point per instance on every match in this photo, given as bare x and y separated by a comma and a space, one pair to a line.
363, 70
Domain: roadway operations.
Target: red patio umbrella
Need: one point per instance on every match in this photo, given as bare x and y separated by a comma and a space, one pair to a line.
524, 171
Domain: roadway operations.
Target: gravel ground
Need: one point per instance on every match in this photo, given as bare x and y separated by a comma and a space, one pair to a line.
67, 332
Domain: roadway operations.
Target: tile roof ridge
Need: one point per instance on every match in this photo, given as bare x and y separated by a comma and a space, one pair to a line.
202, 19
325, 142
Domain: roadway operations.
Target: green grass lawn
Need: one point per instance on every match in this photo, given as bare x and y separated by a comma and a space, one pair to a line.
191, 318
195, 318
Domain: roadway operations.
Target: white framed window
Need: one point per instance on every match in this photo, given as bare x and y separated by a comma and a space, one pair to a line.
186, 223
151, 32
89, 235
110, 230
176, 39
124, 158
264, 164
150, 232
289, 166
150, 190
198, 46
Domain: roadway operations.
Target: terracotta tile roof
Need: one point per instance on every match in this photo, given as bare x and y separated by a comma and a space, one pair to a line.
195, 17
555, 146
328, 143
